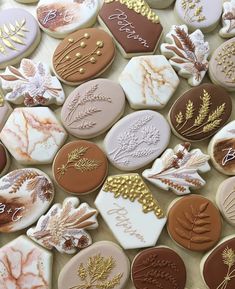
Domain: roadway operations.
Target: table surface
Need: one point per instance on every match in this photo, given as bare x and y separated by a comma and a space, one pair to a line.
192, 260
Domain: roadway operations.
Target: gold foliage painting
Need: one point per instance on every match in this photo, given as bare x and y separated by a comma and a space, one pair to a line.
228, 257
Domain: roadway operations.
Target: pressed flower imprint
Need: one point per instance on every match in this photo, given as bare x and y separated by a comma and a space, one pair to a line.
229, 17
193, 11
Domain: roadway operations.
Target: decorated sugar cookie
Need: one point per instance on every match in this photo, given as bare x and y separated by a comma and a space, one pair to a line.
25, 195
149, 81
160, 4
200, 112
188, 53
158, 266
194, 223
64, 227
127, 205
23, 264
32, 84
104, 257
5, 110
178, 170
4, 160
33, 135
93, 108
60, 18
199, 14
83, 55
134, 26
228, 20
137, 139
20, 35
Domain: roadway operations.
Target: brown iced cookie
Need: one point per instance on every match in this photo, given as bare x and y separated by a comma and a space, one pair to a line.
200, 112
158, 267
83, 55
4, 160
194, 223
80, 167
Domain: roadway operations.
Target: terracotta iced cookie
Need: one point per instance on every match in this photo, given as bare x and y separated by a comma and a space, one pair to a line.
178, 170
222, 149
200, 112
225, 199
4, 160
194, 223
160, 4
228, 20
217, 267
5, 110
134, 26
20, 35
149, 81
199, 14
93, 108
32, 84
159, 266
80, 167
137, 139
83, 55
25, 195
127, 205
222, 65
58, 18
23, 264
104, 257
64, 227
33, 135
188, 53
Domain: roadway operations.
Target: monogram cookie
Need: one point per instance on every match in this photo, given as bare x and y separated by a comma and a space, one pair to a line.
159, 4
4, 160
134, 26
5, 110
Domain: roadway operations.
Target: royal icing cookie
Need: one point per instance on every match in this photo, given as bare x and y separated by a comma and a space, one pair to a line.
228, 20
218, 266
199, 14
32, 84
4, 160
93, 108
102, 265
127, 205
200, 112
23, 264
160, 4
225, 199
33, 135
64, 227
25, 195
158, 267
59, 18
222, 65
149, 81
137, 139
178, 170
20, 35
194, 223
134, 26
188, 53
222, 149
83, 55
5, 110
80, 167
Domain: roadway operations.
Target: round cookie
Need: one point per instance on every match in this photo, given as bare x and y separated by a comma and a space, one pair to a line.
80, 167
159, 4
83, 55
4, 160
92, 108
199, 14
228, 20
20, 37
194, 223
58, 18
222, 65
159, 266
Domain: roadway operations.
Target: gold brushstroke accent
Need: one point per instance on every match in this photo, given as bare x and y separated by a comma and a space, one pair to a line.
1, 99
193, 11
133, 188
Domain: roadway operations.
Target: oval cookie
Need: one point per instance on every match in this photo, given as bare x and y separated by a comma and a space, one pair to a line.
137, 139
228, 19
81, 270
83, 55
200, 112
194, 223
25, 195
20, 37
4, 160
93, 108
80, 167
159, 266
60, 18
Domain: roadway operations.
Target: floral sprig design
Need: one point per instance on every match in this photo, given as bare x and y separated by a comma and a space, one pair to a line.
193, 11
229, 18
228, 257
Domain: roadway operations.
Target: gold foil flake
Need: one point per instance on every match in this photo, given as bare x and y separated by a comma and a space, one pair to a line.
133, 188
1, 99
140, 7
193, 10
228, 257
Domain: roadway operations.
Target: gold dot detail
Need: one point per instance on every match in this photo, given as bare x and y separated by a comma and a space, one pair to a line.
92, 60
82, 70
100, 44
78, 55
71, 40
83, 44
87, 36
99, 53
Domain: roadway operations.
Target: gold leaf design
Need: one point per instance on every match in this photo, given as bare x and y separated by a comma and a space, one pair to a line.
1, 99
204, 109
85, 164
193, 11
